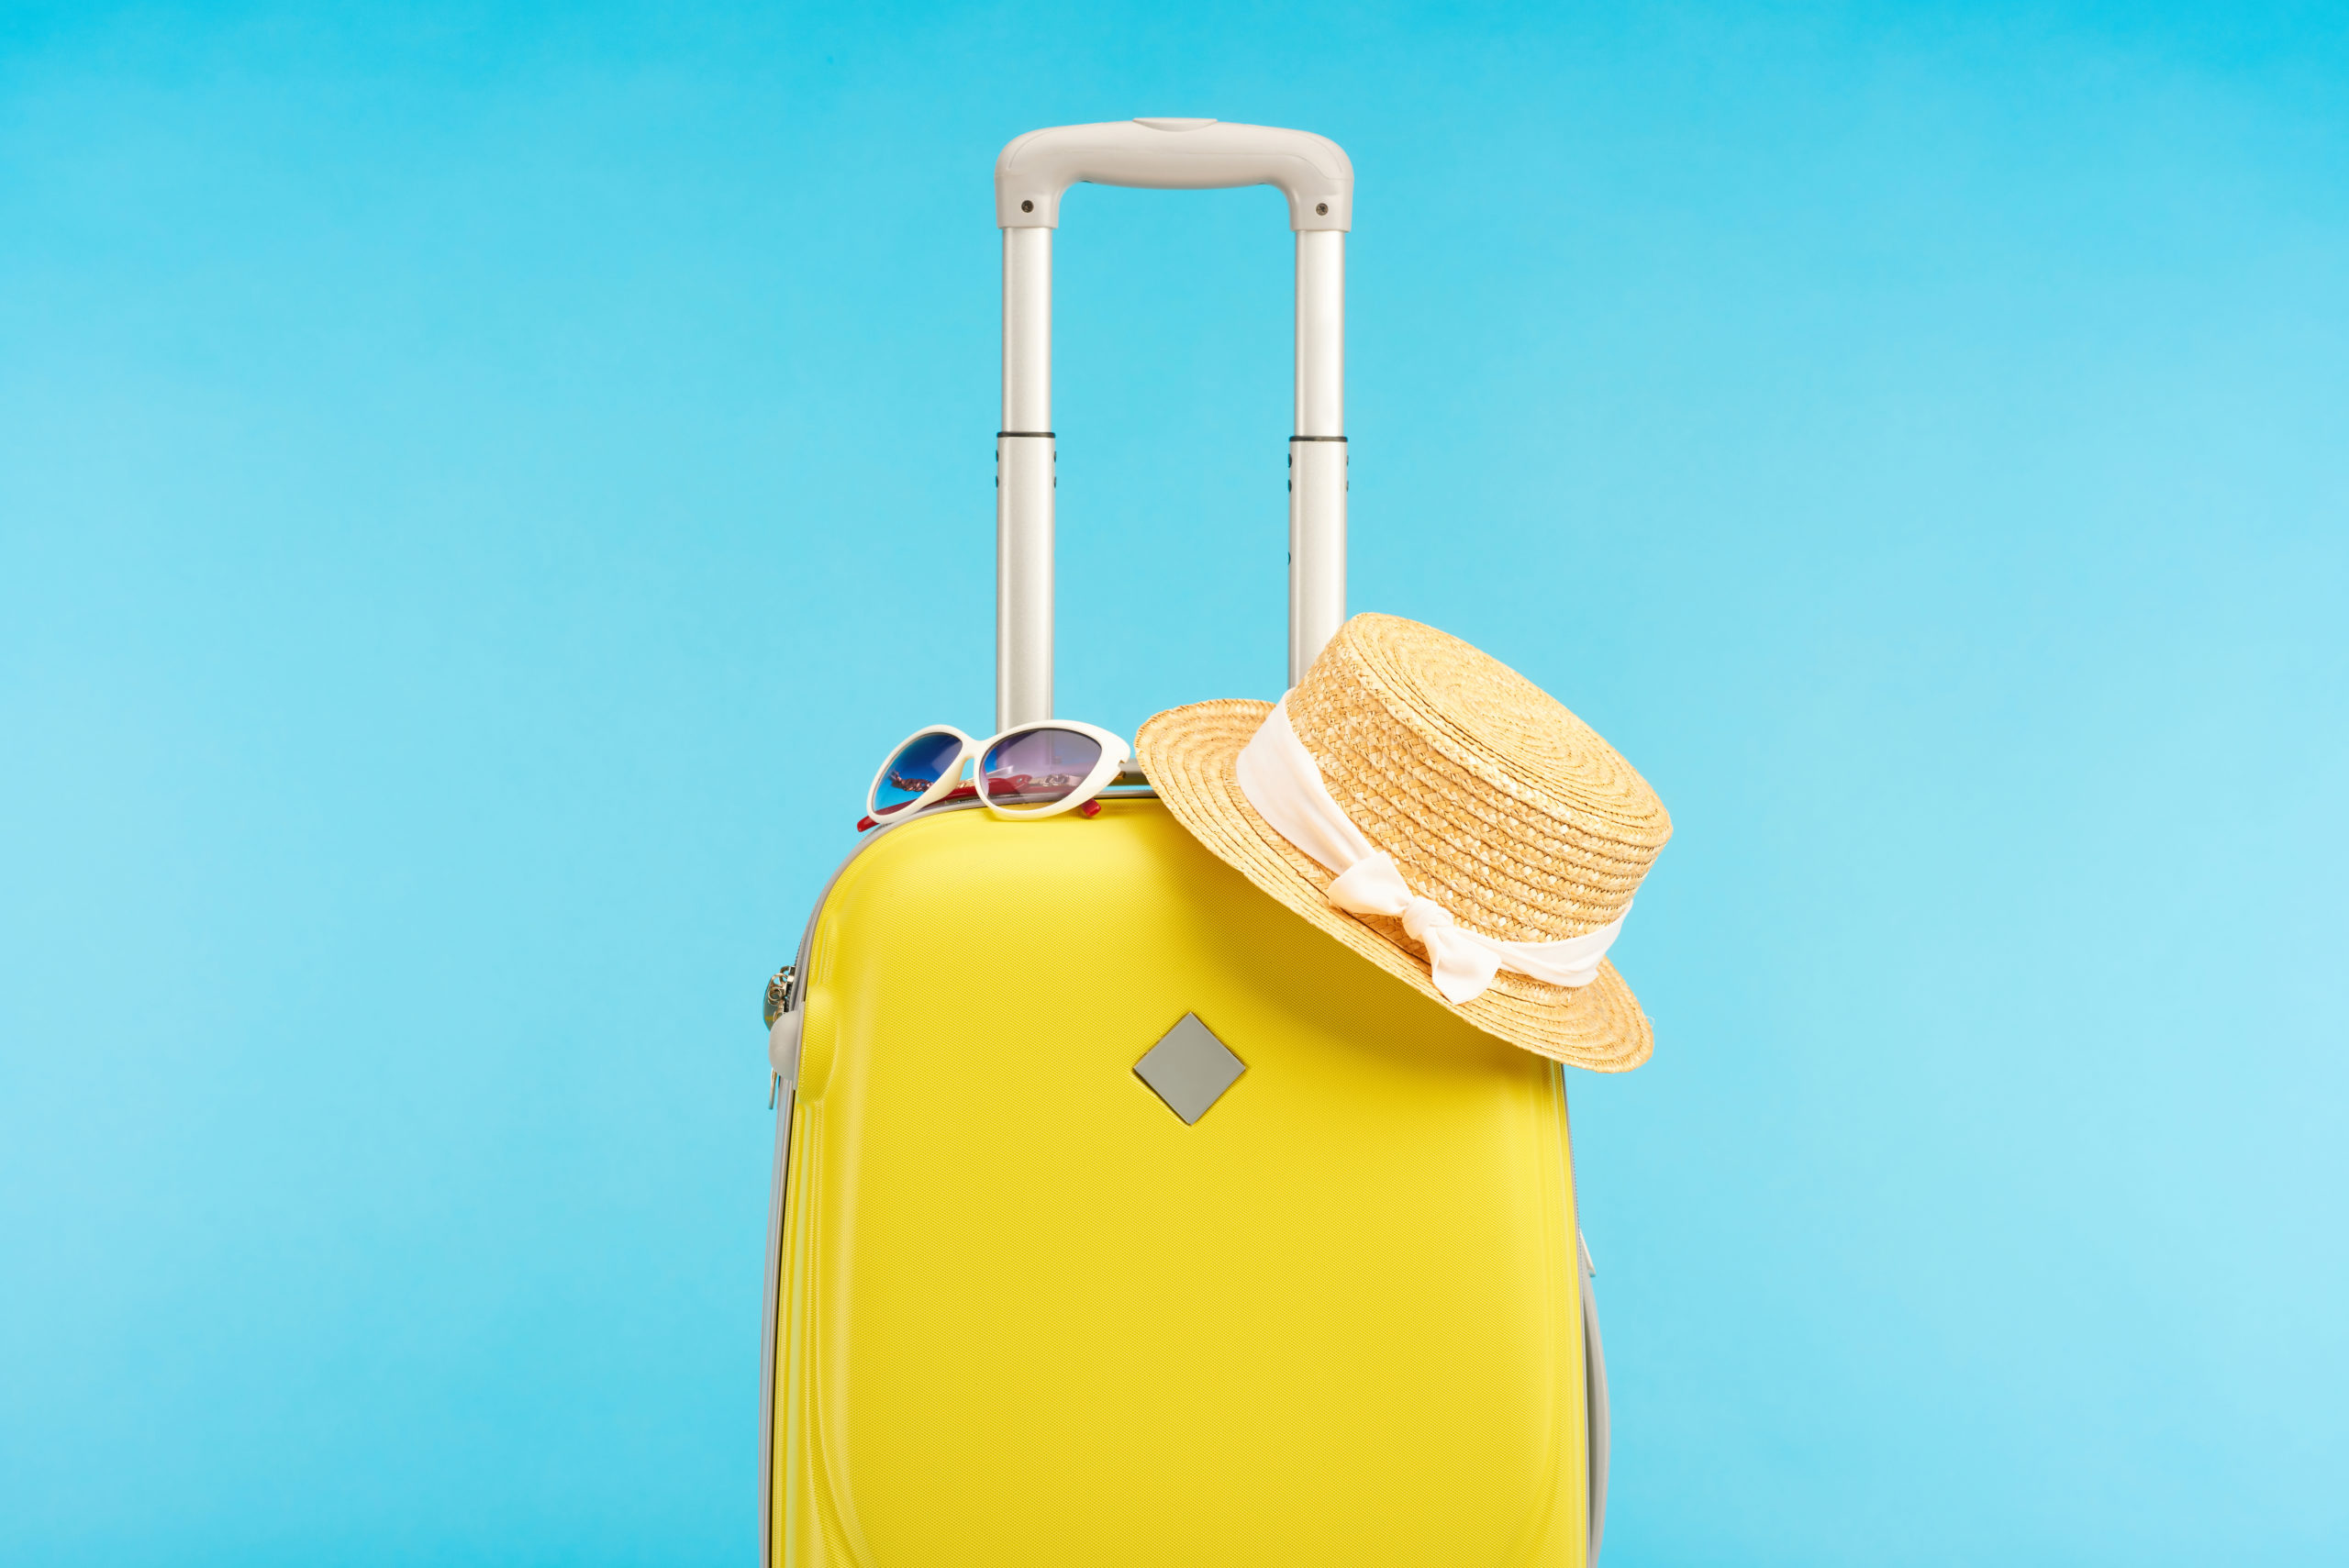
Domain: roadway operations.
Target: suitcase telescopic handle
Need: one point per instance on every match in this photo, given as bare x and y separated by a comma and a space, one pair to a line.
1030, 174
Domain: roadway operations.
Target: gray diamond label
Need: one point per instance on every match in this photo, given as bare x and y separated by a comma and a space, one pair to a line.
1189, 1068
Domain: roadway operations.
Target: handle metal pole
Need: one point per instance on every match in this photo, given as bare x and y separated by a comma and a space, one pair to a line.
1024, 487
1316, 460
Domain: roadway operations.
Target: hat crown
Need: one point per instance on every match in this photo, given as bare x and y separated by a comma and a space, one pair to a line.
1492, 797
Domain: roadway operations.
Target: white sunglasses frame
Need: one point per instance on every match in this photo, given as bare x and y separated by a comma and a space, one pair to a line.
1115, 755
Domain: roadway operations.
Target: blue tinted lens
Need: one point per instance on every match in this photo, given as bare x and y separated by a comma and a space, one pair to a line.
1036, 767
920, 763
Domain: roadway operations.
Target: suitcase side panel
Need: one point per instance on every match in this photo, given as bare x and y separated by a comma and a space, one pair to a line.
1027, 1315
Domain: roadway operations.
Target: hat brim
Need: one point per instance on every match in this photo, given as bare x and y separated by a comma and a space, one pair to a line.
1188, 755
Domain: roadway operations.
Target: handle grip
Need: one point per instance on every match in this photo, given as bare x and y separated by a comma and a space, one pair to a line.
1174, 155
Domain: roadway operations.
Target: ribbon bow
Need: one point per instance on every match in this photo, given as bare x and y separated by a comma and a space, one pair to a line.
1283, 782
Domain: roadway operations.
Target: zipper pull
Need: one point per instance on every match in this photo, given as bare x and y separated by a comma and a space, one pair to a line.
783, 1017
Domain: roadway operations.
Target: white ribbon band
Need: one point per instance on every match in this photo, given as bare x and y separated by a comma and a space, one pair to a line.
1283, 782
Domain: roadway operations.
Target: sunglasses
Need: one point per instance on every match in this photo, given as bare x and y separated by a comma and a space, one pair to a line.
1034, 770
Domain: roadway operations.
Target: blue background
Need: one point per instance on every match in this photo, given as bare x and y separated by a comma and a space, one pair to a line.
480, 487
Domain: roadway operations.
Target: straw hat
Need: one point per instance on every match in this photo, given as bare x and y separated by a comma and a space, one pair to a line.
1492, 798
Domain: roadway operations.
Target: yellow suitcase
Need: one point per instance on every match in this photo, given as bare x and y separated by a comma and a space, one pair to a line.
1303, 1288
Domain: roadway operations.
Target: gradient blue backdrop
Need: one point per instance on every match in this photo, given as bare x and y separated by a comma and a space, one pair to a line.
481, 484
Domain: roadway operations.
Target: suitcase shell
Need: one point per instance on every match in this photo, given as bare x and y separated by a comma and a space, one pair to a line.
1026, 1315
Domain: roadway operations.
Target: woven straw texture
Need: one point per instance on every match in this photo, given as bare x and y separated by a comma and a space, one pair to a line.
1493, 798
